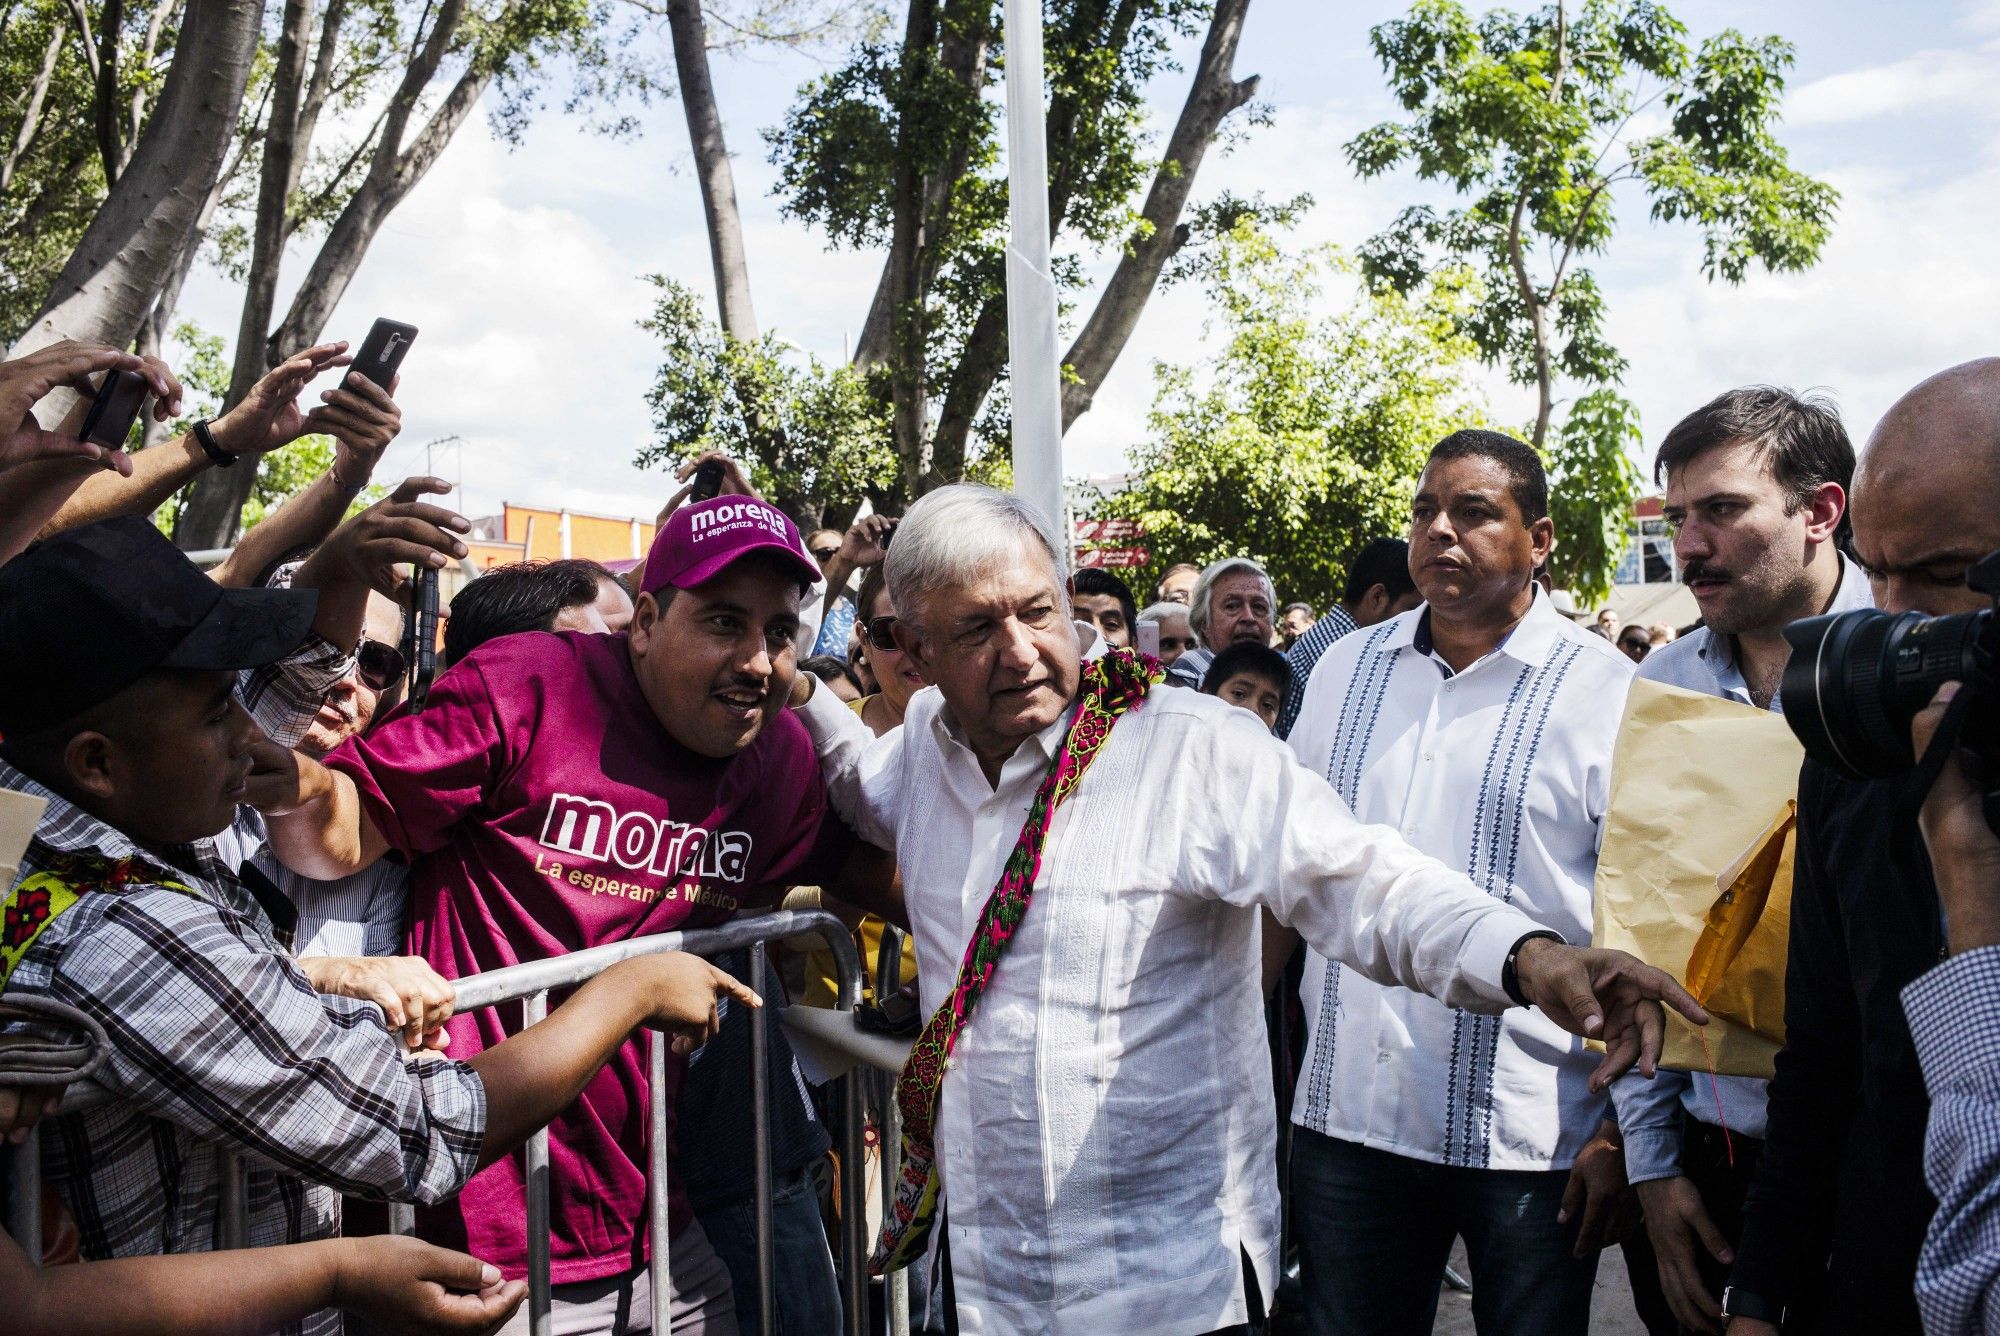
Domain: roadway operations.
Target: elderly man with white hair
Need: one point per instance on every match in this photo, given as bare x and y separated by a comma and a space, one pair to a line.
1234, 603
1083, 860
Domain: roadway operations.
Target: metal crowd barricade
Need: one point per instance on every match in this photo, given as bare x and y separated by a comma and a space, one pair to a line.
530, 984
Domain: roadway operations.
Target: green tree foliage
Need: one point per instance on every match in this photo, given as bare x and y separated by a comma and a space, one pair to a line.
1301, 439
73, 98
815, 438
1539, 122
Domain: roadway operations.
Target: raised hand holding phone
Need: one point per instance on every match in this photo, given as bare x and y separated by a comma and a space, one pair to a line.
27, 381
114, 408
382, 351
726, 474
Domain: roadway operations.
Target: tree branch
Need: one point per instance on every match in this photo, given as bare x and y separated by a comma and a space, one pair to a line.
325, 60
1569, 240
155, 26
726, 250
78, 12
967, 43
1215, 95
108, 146
1544, 375
31, 116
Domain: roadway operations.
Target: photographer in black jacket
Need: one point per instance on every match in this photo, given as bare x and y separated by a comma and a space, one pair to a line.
1844, 1149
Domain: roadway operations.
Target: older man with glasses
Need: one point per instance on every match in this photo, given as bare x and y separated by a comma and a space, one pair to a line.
1083, 861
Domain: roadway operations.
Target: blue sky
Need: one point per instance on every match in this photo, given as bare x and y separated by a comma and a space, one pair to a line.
523, 268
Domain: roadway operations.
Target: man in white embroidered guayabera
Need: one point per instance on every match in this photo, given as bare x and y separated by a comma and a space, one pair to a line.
1481, 724
1104, 1133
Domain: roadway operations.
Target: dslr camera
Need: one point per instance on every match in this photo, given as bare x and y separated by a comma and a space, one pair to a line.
1857, 679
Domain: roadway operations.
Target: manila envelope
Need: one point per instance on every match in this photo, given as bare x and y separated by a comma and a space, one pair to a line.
1697, 786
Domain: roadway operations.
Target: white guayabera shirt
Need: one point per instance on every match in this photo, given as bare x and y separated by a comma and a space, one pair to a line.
1106, 1134
1502, 772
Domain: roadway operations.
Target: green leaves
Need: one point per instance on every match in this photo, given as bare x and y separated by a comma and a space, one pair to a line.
1303, 437
1592, 485
1529, 117
812, 436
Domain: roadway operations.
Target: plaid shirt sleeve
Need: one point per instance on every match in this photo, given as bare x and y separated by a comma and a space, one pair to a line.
214, 1030
284, 696
1304, 656
1954, 1013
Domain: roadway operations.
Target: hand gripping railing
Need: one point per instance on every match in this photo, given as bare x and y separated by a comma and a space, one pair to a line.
530, 984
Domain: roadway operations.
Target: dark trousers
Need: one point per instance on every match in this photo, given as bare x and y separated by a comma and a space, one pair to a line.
806, 1291
1706, 1161
1375, 1230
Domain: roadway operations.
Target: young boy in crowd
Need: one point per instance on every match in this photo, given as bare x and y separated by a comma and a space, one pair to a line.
1255, 677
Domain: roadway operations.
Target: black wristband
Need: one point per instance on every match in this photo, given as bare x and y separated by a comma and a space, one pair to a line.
204, 438
1510, 973
1755, 1307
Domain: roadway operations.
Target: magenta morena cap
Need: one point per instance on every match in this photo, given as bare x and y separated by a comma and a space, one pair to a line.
700, 540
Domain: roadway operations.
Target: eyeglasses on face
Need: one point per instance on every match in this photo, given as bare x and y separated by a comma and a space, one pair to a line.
880, 633
823, 554
379, 666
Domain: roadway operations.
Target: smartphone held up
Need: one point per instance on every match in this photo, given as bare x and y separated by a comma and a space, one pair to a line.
382, 351
120, 397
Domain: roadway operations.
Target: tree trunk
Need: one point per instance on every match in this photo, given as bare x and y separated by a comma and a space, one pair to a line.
1216, 93
128, 252
1538, 323
213, 516
963, 48
711, 161
31, 114
908, 333
110, 147
284, 156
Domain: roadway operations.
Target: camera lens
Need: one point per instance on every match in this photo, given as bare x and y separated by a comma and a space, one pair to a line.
1856, 679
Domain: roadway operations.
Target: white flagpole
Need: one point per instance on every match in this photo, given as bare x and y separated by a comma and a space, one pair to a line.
1031, 290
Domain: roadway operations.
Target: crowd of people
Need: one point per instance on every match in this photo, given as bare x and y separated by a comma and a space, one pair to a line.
1170, 880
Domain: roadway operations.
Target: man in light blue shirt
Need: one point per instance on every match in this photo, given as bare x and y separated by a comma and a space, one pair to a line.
1756, 493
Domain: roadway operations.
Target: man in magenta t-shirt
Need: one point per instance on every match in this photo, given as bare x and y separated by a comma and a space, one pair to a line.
565, 790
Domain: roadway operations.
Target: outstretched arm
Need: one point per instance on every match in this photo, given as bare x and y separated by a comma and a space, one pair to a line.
1363, 896
864, 773
316, 822
403, 1283
267, 419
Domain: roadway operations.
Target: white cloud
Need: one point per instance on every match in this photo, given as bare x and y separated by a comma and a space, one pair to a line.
1927, 81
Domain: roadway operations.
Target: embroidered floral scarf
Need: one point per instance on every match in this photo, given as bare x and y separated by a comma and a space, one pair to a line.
1112, 684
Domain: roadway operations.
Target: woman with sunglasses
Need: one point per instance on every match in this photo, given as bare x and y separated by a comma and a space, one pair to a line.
896, 676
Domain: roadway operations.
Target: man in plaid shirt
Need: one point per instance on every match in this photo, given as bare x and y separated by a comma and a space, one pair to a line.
131, 725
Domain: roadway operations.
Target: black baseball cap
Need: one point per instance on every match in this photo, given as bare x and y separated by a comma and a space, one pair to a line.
89, 612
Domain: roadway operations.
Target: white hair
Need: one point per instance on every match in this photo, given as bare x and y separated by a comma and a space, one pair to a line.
1204, 590
957, 533
1159, 612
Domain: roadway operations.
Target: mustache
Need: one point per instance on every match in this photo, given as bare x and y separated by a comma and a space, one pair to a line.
738, 682
1702, 570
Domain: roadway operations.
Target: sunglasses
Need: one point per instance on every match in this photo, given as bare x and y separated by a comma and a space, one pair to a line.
880, 633
823, 554
379, 666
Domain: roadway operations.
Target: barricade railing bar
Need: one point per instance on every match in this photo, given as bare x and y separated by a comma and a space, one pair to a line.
530, 984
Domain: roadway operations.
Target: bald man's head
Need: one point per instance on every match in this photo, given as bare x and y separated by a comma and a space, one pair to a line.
1926, 499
